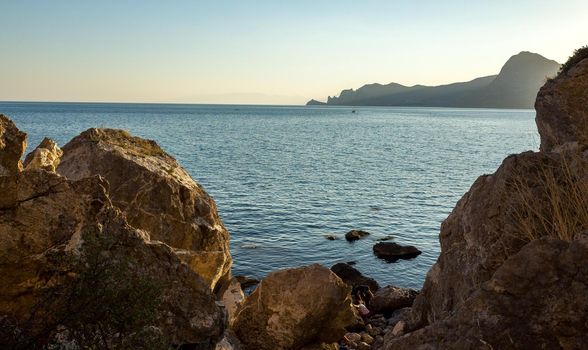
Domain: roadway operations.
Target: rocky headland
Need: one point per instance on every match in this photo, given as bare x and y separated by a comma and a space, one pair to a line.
108, 243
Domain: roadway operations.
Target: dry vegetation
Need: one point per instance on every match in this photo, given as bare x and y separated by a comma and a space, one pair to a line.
554, 200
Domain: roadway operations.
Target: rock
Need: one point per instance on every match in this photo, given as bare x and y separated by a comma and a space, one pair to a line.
228, 342
156, 194
363, 346
367, 338
46, 156
354, 235
391, 251
293, 308
322, 346
562, 116
247, 282
352, 338
487, 226
48, 222
399, 315
353, 277
391, 298
232, 298
399, 329
330, 237
12, 146
535, 300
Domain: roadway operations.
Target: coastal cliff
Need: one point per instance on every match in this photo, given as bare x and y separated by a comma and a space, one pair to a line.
515, 86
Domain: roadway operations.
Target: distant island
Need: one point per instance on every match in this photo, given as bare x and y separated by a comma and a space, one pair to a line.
516, 86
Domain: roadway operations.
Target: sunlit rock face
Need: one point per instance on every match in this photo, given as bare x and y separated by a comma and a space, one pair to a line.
562, 112
12, 145
293, 308
156, 194
46, 156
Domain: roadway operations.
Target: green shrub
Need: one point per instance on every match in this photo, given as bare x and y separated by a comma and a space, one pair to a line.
578, 56
99, 303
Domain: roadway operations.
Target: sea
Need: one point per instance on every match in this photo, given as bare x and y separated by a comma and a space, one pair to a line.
285, 177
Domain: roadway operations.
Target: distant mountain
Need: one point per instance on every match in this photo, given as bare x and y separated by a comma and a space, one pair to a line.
516, 86
314, 102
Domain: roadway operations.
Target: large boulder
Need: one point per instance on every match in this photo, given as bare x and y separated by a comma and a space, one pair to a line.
535, 300
562, 116
12, 145
47, 221
294, 308
495, 219
156, 194
46, 156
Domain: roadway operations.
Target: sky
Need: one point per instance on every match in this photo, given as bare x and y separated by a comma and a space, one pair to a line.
266, 52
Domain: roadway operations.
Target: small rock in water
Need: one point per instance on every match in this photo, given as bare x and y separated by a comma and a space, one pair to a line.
354, 235
391, 251
249, 246
331, 237
386, 238
375, 208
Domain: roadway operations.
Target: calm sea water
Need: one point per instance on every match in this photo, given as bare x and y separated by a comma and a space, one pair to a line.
283, 177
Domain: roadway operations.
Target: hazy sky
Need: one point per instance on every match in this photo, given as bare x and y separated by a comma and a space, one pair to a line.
278, 52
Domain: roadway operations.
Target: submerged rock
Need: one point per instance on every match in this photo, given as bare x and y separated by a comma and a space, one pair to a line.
46, 156
354, 235
156, 194
392, 252
562, 115
294, 308
12, 146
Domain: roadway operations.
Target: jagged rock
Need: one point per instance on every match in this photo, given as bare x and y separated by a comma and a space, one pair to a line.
12, 146
48, 221
353, 277
46, 156
232, 298
156, 194
392, 252
535, 300
562, 116
294, 308
354, 235
486, 227
391, 298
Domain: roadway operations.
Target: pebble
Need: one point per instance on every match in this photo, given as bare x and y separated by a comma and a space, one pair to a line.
352, 338
367, 338
398, 330
363, 346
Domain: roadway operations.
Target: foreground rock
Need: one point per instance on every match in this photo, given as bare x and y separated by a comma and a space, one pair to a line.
392, 252
562, 116
46, 156
391, 298
47, 222
353, 277
156, 194
12, 146
535, 300
294, 308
